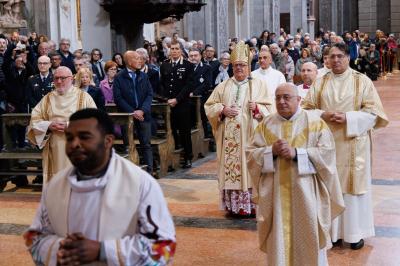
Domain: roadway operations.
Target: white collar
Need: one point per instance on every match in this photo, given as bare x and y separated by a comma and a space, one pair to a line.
293, 116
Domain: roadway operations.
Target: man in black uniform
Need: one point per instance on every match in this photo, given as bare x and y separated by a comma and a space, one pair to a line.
176, 83
40, 84
202, 77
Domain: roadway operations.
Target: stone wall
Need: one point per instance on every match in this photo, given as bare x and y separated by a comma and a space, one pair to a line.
395, 17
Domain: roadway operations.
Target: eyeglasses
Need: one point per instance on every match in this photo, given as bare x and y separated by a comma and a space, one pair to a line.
285, 97
43, 63
65, 43
240, 65
339, 56
61, 78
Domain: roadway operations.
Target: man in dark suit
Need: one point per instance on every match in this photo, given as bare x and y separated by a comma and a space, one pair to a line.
210, 60
202, 80
97, 64
176, 83
40, 84
67, 58
133, 94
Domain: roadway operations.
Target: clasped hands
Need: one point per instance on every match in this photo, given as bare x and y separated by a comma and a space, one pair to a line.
76, 249
138, 115
233, 110
57, 126
282, 148
335, 117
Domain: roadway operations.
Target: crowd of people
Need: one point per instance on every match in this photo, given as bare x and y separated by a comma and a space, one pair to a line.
276, 158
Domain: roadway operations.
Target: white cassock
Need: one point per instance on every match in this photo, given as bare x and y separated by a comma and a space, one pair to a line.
302, 90
355, 95
124, 209
272, 77
322, 71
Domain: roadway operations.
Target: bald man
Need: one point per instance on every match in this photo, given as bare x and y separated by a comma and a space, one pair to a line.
292, 165
50, 117
133, 94
309, 72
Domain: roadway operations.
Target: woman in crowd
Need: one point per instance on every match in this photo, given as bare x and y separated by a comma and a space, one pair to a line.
289, 65
118, 58
84, 81
106, 85
264, 38
305, 57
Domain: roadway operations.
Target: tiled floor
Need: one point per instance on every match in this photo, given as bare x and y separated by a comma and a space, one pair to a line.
206, 237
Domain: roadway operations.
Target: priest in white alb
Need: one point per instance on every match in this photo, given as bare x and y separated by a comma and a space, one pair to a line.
292, 164
271, 76
233, 110
348, 101
49, 118
103, 209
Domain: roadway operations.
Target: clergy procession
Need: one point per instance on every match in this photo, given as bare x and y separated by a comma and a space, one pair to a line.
179, 153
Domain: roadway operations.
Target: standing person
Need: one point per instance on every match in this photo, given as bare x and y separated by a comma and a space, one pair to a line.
309, 73
305, 57
277, 57
67, 58
97, 63
224, 69
326, 68
289, 65
133, 94
151, 70
17, 74
40, 84
49, 119
202, 77
117, 58
233, 110
211, 60
3, 95
55, 60
84, 81
266, 73
177, 83
112, 212
350, 105
292, 164
106, 85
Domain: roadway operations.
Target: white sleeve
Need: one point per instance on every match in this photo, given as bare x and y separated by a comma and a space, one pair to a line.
268, 161
40, 131
358, 123
304, 164
154, 244
40, 238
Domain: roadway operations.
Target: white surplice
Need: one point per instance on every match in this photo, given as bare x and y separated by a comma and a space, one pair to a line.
132, 222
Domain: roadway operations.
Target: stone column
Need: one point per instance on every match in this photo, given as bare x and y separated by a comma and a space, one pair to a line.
298, 15
221, 25
272, 13
367, 16
395, 17
311, 18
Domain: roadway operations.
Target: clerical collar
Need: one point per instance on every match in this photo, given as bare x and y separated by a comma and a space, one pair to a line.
343, 75
293, 117
265, 71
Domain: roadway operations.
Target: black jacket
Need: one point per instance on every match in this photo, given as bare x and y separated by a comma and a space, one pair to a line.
97, 96
37, 89
125, 92
202, 79
177, 82
68, 61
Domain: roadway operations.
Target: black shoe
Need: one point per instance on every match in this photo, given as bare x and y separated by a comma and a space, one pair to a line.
338, 243
187, 164
358, 245
38, 180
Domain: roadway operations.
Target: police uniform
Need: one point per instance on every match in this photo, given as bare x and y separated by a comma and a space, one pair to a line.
202, 84
176, 82
37, 88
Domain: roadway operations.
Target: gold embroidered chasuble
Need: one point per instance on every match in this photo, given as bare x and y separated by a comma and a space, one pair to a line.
353, 93
55, 107
232, 134
296, 200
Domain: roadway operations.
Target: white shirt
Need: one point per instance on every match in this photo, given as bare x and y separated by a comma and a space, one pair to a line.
272, 77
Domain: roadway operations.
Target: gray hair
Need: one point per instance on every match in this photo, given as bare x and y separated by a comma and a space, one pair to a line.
290, 85
143, 53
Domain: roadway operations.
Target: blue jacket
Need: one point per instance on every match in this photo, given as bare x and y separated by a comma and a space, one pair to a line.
124, 91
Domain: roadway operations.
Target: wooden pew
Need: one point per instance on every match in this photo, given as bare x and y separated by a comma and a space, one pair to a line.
199, 143
10, 158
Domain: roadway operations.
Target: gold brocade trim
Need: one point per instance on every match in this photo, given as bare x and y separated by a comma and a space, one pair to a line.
270, 138
120, 261
48, 257
300, 139
353, 142
45, 107
285, 184
80, 100
319, 95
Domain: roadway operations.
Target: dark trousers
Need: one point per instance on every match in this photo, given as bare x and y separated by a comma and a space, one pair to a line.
143, 133
181, 128
17, 134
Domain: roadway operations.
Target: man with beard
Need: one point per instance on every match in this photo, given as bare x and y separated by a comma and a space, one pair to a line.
102, 210
49, 120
